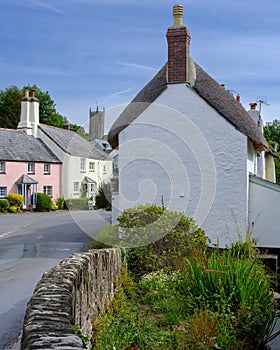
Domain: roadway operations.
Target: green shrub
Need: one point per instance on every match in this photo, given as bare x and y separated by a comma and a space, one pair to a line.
13, 209
16, 200
54, 207
4, 204
76, 204
107, 237
103, 197
60, 203
158, 238
44, 202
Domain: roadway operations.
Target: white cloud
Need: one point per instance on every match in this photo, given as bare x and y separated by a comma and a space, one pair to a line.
51, 8
134, 65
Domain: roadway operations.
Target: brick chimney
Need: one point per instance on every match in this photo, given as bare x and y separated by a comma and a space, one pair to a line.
178, 39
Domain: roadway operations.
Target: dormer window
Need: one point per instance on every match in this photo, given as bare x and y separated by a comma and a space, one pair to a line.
31, 168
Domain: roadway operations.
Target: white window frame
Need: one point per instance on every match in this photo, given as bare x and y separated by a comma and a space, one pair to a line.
48, 190
3, 192
2, 167
83, 165
76, 187
91, 166
31, 168
47, 168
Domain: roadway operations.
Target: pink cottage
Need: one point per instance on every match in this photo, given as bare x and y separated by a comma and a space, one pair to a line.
27, 167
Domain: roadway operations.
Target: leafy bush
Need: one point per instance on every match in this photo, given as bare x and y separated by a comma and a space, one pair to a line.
44, 202
13, 209
103, 197
16, 200
4, 204
54, 207
60, 202
158, 237
76, 204
107, 237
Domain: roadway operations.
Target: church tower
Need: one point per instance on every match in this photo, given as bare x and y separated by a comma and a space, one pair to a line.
96, 124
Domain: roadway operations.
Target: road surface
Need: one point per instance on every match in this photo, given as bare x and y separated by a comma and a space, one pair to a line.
30, 244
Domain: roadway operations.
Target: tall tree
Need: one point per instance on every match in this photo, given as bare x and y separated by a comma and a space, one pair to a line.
10, 100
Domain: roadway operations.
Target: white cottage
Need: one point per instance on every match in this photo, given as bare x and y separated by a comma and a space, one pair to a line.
84, 166
186, 142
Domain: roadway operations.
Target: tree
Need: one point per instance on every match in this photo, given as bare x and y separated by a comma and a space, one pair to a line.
272, 132
10, 107
10, 100
272, 135
103, 197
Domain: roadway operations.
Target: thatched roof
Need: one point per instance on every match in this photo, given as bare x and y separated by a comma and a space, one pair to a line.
208, 89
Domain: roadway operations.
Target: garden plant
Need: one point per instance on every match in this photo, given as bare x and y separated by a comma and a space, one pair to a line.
178, 294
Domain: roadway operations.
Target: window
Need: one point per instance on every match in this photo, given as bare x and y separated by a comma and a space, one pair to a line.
83, 165
48, 190
91, 166
3, 192
76, 187
116, 167
2, 168
47, 168
31, 168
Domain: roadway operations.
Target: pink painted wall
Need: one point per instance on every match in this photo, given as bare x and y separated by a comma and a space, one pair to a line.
14, 170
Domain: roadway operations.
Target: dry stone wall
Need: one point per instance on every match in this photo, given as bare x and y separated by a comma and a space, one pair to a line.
72, 293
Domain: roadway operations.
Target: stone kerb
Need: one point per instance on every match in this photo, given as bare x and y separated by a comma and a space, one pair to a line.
72, 293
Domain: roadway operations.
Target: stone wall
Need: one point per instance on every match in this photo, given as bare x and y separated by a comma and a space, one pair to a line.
72, 293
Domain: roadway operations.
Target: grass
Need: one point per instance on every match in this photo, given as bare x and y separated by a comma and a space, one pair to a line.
215, 301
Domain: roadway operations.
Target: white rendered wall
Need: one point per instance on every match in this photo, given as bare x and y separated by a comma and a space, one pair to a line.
180, 149
264, 212
71, 168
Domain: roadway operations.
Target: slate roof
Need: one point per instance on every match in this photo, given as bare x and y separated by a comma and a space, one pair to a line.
72, 143
207, 88
25, 179
17, 146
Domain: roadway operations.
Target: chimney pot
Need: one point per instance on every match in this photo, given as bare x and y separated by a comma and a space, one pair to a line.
178, 12
32, 94
238, 98
253, 105
26, 93
178, 40
223, 86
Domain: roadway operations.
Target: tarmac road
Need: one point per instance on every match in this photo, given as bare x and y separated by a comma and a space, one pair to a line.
30, 244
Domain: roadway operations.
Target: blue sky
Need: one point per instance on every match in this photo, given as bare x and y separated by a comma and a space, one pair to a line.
104, 51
